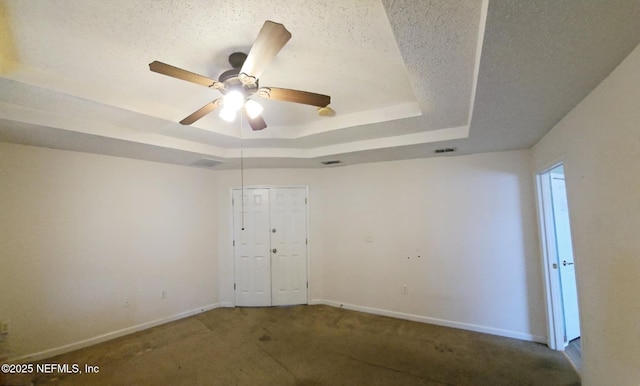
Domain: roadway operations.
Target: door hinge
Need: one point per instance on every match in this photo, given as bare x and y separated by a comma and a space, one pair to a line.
305, 200
308, 287
234, 243
232, 201
306, 241
234, 286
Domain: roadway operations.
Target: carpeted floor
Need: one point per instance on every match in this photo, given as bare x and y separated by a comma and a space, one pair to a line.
309, 345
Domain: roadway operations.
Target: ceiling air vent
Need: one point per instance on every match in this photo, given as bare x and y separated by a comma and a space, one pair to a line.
206, 163
446, 150
334, 162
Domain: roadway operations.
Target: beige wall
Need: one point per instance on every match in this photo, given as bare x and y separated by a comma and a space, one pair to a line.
600, 144
471, 221
88, 244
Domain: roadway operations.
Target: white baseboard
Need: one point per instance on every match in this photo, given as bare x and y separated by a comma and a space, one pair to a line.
369, 310
436, 321
114, 334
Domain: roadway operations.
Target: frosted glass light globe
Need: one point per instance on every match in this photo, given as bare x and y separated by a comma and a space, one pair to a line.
234, 100
253, 109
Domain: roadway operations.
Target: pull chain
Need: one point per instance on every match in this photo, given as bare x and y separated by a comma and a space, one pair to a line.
241, 173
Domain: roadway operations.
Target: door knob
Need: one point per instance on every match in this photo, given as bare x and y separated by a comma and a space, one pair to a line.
565, 263
274, 250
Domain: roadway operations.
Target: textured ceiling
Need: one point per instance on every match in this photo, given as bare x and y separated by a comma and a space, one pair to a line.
405, 76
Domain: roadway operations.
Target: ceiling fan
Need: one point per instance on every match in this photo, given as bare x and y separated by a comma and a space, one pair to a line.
241, 82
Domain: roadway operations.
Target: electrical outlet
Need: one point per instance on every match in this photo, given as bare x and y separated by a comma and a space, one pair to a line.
405, 289
4, 327
163, 295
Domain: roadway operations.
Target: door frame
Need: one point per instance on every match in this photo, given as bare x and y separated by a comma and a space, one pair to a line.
231, 234
549, 254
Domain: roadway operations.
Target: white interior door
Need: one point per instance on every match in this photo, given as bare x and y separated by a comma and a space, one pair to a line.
251, 247
565, 258
270, 246
289, 246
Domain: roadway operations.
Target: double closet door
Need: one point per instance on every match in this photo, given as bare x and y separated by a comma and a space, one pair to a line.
270, 246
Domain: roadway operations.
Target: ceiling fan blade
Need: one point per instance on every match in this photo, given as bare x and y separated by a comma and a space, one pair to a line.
256, 123
271, 38
175, 72
295, 96
204, 110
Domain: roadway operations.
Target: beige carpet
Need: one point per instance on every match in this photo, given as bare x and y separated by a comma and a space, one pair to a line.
309, 345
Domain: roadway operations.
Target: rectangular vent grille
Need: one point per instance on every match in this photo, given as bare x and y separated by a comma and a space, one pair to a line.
446, 150
206, 163
334, 162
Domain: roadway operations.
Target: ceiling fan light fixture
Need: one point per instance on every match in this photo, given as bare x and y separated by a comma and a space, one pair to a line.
228, 114
233, 100
254, 109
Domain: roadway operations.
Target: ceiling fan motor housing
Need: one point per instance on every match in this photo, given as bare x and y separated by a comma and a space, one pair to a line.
231, 81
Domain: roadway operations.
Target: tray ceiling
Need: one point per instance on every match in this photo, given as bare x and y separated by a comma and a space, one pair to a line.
405, 77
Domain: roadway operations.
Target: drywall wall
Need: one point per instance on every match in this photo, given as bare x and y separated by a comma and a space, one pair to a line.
459, 232
599, 141
90, 242
93, 241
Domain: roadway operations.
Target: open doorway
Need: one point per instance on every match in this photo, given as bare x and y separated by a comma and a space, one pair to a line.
559, 265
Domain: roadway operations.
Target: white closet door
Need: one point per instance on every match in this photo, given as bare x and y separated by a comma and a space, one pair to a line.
565, 258
288, 246
271, 251
251, 247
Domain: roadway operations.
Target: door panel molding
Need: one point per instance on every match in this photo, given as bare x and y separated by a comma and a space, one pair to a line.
285, 233
252, 257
